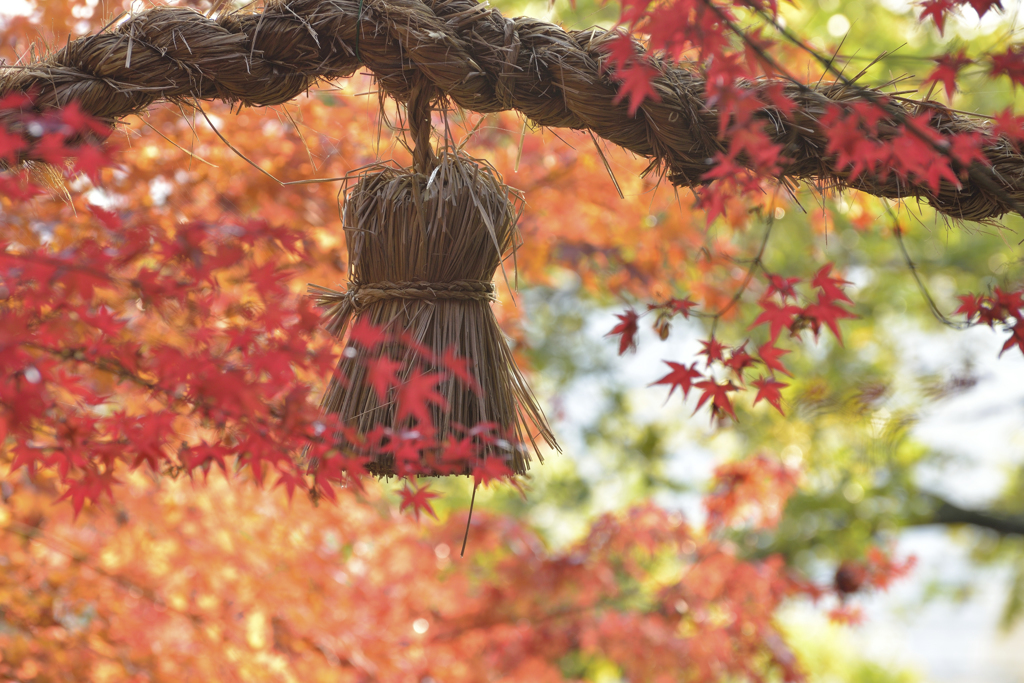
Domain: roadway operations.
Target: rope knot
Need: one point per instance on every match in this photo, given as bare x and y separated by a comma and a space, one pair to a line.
362, 295
342, 305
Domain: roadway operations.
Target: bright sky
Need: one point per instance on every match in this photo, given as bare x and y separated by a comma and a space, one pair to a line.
15, 7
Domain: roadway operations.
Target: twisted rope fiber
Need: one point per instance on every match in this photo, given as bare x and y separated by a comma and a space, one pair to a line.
359, 296
485, 63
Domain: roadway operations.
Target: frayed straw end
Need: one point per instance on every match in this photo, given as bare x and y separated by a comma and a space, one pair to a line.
339, 308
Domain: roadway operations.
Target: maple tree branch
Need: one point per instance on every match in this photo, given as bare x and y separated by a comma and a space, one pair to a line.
755, 263
61, 264
157, 393
553, 615
111, 365
932, 306
945, 513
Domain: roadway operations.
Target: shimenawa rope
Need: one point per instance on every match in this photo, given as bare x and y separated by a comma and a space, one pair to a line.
484, 62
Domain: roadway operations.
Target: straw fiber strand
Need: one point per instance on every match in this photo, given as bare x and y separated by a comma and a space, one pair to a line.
422, 253
484, 62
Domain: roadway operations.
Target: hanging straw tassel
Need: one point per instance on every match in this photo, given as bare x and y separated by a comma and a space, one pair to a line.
422, 254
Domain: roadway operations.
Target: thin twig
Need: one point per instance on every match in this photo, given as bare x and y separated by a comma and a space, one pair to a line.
469, 518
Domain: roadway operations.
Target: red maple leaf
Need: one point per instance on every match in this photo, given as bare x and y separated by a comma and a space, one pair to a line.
828, 313
89, 159
777, 317
676, 306
946, 71
713, 349
79, 493
770, 354
681, 376
1016, 338
635, 84
51, 149
830, 286
16, 100
937, 10
1009, 126
783, 286
461, 368
93, 485
111, 221
407, 450
989, 313
417, 498
1009, 63
104, 321
10, 145
966, 149
714, 199
81, 122
718, 393
491, 469
914, 158
1008, 304
202, 453
768, 389
883, 569
382, 374
415, 395
627, 328
367, 334
739, 360
290, 481
852, 137
775, 95
983, 6
417, 346
970, 305
458, 453
267, 279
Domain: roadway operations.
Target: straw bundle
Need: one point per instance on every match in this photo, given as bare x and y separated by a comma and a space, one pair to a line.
423, 249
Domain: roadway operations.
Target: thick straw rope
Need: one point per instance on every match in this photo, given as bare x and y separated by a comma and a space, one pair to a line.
483, 61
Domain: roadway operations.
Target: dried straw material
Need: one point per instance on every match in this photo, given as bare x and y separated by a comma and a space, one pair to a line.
484, 62
423, 249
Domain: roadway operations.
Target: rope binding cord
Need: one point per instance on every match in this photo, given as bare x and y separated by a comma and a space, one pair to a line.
358, 296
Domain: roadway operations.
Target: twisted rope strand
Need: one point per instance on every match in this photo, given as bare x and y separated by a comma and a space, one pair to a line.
340, 306
484, 62
362, 295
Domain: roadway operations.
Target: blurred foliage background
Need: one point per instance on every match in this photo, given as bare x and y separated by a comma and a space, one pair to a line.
851, 409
